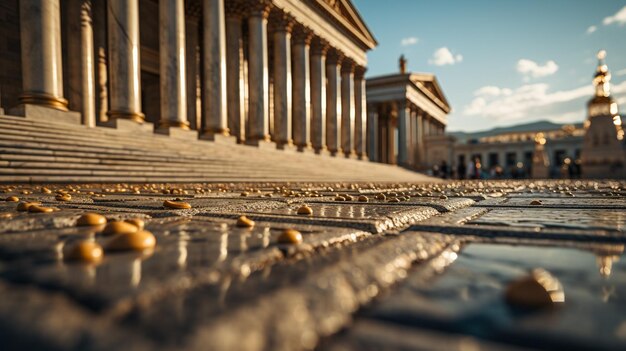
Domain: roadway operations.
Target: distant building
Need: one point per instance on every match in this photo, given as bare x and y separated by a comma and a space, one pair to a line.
604, 152
595, 149
407, 112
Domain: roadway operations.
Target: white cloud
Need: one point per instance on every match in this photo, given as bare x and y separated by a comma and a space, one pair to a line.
531, 68
522, 100
536, 101
409, 41
618, 18
621, 72
591, 29
491, 90
443, 56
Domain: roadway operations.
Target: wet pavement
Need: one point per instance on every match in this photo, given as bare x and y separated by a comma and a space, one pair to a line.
380, 266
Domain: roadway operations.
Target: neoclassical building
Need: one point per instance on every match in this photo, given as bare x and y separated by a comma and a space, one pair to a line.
407, 115
282, 73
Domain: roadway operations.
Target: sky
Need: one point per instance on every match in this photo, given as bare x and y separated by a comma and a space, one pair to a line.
503, 62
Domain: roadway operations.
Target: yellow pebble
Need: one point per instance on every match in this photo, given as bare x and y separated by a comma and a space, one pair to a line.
381, 197
305, 210
137, 241
23, 206
119, 227
85, 251
245, 222
91, 219
290, 236
63, 197
12, 199
340, 198
45, 190
363, 198
539, 289
40, 209
245, 193
137, 222
176, 205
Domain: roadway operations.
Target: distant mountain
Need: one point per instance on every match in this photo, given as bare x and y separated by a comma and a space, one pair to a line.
528, 127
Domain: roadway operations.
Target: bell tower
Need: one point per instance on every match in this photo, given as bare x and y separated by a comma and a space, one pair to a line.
603, 154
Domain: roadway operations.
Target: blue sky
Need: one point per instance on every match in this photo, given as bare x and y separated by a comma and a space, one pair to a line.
503, 62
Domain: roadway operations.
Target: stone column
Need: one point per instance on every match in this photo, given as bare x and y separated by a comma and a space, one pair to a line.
372, 132
172, 65
301, 88
88, 106
80, 61
360, 121
318, 94
125, 82
214, 111
404, 113
193, 71
347, 107
258, 80
282, 24
99, 16
234, 77
333, 101
42, 72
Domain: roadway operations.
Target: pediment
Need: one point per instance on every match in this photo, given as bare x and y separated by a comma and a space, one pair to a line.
429, 83
345, 10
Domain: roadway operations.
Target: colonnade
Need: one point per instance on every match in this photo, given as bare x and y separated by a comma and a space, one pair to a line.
317, 91
398, 131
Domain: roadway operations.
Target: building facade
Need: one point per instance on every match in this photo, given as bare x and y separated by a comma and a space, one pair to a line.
283, 73
593, 149
407, 113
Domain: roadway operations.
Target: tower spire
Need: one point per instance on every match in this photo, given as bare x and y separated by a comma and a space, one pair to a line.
602, 78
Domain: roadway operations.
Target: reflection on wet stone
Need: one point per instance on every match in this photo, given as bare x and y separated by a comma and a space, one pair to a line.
430, 267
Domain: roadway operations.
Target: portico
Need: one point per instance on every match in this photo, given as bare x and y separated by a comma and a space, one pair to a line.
404, 112
204, 66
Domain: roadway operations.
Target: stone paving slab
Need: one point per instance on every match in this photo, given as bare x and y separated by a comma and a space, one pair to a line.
565, 202
587, 219
426, 272
468, 298
371, 218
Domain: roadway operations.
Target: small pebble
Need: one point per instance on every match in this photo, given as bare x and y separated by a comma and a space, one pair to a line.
176, 205
536, 203
91, 219
137, 241
45, 190
137, 222
443, 197
84, 251
23, 206
340, 198
12, 199
363, 198
119, 227
539, 289
63, 197
40, 209
245, 222
305, 210
381, 197
290, 236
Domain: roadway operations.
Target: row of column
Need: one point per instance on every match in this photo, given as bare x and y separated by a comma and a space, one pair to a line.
318, 94
398, 131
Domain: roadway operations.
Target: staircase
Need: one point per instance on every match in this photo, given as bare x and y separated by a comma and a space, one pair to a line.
42, 151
